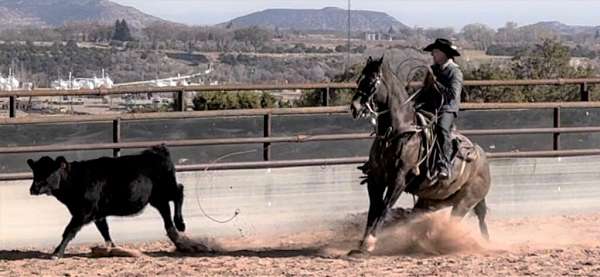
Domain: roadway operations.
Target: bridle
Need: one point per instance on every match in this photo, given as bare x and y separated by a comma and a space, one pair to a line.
370, 102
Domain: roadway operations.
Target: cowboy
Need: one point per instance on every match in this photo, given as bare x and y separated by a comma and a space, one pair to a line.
446, 78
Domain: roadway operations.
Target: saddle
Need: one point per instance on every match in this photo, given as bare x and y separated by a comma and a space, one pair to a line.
425, 126
462, 148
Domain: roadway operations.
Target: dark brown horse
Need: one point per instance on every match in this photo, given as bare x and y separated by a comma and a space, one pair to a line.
396, 160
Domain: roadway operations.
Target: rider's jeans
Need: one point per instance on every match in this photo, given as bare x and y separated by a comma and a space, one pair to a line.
445, 121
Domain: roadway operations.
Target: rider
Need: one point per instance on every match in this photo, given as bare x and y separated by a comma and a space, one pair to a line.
446, 77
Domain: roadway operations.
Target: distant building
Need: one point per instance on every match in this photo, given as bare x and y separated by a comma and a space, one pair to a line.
377, 36
9, 83
82, 83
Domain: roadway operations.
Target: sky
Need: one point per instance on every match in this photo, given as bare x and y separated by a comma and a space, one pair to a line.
423, 13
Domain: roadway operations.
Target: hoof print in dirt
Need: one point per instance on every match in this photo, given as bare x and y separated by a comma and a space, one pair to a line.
357, 253
103, 252
193, 247
185, 244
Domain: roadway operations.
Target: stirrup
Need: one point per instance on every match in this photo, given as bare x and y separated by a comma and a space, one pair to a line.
444, 174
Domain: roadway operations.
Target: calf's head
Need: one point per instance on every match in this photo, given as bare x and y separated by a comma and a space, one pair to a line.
47, 174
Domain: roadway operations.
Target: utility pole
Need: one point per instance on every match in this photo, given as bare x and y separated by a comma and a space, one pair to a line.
348, 44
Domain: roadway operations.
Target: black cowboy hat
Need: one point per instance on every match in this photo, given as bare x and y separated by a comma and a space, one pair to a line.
445, 46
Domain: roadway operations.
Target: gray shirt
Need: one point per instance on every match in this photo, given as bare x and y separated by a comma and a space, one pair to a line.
449, 82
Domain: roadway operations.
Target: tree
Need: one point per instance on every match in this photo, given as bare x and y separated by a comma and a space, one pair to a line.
547, 60
508, 33
121, 31
480, 35
233, 100
490, 94
434, 33
550, 59
71, 45
253, 35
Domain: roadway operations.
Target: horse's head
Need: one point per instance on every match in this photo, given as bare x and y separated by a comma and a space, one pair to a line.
368, 97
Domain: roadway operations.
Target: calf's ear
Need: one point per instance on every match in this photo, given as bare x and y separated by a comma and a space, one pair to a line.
63, 162
30, 163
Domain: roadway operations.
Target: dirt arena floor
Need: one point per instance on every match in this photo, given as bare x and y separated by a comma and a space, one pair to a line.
429, 245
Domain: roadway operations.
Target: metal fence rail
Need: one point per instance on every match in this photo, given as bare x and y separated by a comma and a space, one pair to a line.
325, 89
267, 140
272, 111
268, 114
300, 138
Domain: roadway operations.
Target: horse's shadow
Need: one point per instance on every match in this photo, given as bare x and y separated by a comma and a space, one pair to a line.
17, 255
262, 253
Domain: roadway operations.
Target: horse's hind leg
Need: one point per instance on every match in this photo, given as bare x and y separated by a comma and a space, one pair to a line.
481, 211
178, 203
473, 194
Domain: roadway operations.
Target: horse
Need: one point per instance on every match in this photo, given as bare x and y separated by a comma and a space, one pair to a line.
397, 159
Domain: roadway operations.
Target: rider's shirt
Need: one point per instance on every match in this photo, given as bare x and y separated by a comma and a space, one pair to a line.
449, 82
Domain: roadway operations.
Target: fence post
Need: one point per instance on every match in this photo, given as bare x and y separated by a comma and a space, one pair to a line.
117, 136
325, 97
181, 101
584, 92
12, 106
267, 130
556, 140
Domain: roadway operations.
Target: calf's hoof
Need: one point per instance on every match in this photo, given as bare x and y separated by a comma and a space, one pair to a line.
180, 225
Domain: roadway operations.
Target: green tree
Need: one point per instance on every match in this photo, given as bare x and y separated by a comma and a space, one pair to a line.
234, 100
480, 35
121, 31
547, 60
491, 94
257, 37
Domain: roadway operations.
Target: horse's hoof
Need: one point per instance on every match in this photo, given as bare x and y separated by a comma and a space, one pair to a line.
370, 243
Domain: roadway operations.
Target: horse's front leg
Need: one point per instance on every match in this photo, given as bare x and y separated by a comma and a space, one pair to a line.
391, 197
376, 208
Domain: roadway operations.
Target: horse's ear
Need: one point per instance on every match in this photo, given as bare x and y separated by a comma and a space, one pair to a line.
369, 59
381, 59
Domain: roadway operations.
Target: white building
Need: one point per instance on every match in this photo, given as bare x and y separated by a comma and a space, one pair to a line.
9, 83
83, 83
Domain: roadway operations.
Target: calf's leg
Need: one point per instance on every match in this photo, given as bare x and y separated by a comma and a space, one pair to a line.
70, 231
102, 226
178, 218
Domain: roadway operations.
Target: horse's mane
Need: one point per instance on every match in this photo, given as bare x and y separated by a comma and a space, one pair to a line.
397, 86
401, 112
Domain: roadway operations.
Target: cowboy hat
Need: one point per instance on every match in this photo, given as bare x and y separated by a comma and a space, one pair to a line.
443, 45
